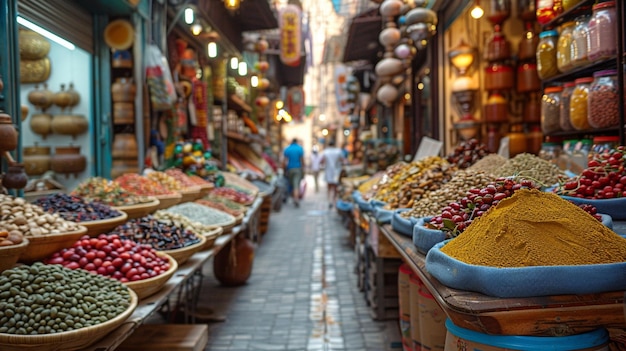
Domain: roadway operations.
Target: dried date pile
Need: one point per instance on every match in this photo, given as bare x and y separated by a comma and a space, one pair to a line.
467, 153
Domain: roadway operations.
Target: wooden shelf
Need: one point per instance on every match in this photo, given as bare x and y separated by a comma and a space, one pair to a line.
581, 8
599, 131
583, 71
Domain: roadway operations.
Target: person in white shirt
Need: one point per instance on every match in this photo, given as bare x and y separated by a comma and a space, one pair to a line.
316, 161
332, 159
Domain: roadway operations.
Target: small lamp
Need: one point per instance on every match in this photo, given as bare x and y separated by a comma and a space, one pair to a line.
232, 5
212, 49
477, 12
462, 57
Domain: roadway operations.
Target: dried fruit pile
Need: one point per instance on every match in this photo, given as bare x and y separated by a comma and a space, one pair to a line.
467, 153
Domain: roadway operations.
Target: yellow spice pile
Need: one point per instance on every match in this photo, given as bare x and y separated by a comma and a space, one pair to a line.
533, 228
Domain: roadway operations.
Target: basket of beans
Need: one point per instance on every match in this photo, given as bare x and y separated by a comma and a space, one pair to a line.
175, 239
97, 217
139, 267
52, 321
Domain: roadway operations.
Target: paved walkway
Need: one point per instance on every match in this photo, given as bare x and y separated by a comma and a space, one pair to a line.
302, 294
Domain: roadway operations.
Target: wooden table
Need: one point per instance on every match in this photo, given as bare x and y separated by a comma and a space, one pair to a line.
543, 315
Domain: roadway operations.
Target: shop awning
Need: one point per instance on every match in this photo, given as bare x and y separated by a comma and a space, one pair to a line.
362, 43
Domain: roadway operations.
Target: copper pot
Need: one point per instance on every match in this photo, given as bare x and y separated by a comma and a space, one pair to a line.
15, 178
69, 125
8, 134
42, 98
62, 98
67, 160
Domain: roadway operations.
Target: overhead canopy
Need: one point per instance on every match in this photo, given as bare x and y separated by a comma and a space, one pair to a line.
362, 43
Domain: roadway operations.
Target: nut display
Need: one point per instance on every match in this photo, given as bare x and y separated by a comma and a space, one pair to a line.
48, 299
532, 167
160, 235
488, 164
165, 180
184, 221
403, 174
199, 213
31, 220
467, 153
75, 208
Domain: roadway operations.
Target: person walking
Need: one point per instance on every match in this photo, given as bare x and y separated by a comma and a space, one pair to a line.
333, 160
293, 162
316, 161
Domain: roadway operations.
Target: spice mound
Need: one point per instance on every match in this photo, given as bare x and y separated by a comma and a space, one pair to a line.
533, 228
107, 192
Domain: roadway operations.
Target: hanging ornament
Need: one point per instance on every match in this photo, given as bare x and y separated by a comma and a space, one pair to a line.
261, 45
402, 51
262, 101
387, 94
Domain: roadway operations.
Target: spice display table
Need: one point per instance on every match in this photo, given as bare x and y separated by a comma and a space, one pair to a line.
542, 315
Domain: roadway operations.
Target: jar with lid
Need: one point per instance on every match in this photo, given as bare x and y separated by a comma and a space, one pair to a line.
580, 42
603, 144
550, 151
517, 140
531, 112
578, 104
534, 139
563, 46
603, 100
498, 48
499, 11
547, 10
550, 103
526, 10
580, 155
569, 4
602, 31
566, 94
527, 47
493, 138
527, 78
496, 109
498, 76
546, 54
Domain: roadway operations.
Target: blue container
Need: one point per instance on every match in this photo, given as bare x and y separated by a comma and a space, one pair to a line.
596, 340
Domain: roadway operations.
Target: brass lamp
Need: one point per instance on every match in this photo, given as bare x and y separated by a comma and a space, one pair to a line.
232, 5
462, 57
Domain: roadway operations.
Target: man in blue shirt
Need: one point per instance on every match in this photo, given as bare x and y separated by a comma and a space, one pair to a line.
293, 164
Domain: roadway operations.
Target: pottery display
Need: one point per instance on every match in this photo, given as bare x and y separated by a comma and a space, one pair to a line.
123, 90
23, 112
124, 146
123, 113
8, 134
36, 159
41, 123
74, 96
68, 160
15, 177
62, 98
34, 71
69, 124
41, 97
33, 46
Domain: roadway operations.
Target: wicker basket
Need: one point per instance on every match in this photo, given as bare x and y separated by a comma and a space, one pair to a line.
140, 210
167, 201
103, 226
183, 254
40, 247
190, 194
227, 227
10, 254
211, 237
146, 287
70, 340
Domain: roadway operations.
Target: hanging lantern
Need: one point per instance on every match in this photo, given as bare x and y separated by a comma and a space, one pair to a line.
402, 51
387, 94
264, 83
261, 45
262, 66
262, 101
391, 8
388, 66
389, 36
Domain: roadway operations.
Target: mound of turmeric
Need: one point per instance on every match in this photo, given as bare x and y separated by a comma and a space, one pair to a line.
534, 228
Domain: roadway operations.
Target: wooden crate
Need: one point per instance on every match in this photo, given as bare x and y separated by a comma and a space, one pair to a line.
382, 287
167, 337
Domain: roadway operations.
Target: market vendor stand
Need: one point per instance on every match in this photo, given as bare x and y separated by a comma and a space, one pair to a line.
542, 315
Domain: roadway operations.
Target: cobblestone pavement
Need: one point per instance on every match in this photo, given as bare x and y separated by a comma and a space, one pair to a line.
302, 294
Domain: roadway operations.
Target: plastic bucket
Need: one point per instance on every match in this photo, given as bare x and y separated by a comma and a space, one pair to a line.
432, 322
415, 285
404, 302
458, 338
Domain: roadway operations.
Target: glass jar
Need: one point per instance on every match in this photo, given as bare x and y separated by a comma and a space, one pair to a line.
498, 48
603, 144
499, 11
580, 42
603, 100
527, 47
534, 139
550, 151
602, 31
527, 78
496, 109
517, 140
550, 103
531, 112
566, 94
493, 138
569, 4
498, 77
563, 46
547, 10
578, 103
546, 54
526, 10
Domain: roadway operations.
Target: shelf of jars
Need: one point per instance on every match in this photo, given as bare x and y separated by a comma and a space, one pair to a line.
549, 19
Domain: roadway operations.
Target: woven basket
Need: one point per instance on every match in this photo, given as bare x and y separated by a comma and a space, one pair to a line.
205, 189
40, 247
211, 237
10, 254
70, 340
146, 287
166, 201
140, 210
228, 226
103, 226
183, 254
238, 219
190, 194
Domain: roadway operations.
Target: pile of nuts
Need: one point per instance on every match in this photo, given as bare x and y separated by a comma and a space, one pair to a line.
29, 219
409, 173
456, 188
532, 167
181, 220
430, 179
75, 208
160, 235
166, 180
10, 238
488, 164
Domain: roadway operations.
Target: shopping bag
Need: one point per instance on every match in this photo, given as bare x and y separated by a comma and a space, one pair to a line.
302, 188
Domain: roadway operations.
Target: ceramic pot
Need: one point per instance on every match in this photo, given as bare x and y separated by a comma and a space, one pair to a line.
15, 177
123, 113
123, 90
36, 159
69, 125
233, 264
124, 146
42, 98
33, 46
40, 123
23, 112
68, 160
62, 98
8, 134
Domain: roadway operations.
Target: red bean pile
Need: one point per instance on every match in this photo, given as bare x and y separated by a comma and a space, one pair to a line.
159, 235
467, 153
113, 257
